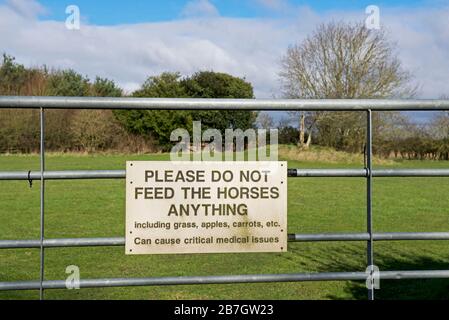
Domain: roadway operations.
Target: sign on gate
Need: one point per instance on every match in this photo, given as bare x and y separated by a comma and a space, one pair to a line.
205, 207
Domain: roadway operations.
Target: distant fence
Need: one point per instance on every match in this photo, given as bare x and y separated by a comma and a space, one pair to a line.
367, 106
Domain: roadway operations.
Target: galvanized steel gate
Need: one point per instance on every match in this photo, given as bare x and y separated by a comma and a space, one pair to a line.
367, 106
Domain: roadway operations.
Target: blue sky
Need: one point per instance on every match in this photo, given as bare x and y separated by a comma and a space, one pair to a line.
113, 12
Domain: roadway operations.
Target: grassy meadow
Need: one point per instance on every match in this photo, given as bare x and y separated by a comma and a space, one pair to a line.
95, 208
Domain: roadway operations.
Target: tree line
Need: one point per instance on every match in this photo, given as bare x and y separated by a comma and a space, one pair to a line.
394, 135
348, 61
120, 130
338, 60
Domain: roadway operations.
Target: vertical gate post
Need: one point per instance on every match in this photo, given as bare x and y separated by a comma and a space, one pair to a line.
369, 191
42, 165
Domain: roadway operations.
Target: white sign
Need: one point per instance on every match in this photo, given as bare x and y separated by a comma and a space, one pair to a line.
205, 207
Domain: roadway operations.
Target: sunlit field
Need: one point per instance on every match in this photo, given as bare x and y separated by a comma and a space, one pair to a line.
96, 208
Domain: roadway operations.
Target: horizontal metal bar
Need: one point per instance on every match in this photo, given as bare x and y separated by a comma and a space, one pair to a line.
364, 172
326, 237
58, 243
64, 175
384, 236
121, 174
220, 104
226, 279
120, 241
326, 172
411, 173
122, 282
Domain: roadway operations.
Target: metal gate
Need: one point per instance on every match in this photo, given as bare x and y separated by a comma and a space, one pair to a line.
367, 106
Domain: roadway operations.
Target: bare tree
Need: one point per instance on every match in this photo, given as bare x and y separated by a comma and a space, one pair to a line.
440, 125
265, 121
341, 60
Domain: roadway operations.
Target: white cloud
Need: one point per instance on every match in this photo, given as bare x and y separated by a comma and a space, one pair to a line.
277, 5
199, 8
26, 8
248, 48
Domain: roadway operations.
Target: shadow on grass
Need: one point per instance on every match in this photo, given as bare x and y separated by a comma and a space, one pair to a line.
350, 257
420, 289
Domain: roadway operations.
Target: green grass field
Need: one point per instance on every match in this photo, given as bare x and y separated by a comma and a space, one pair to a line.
96, 209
